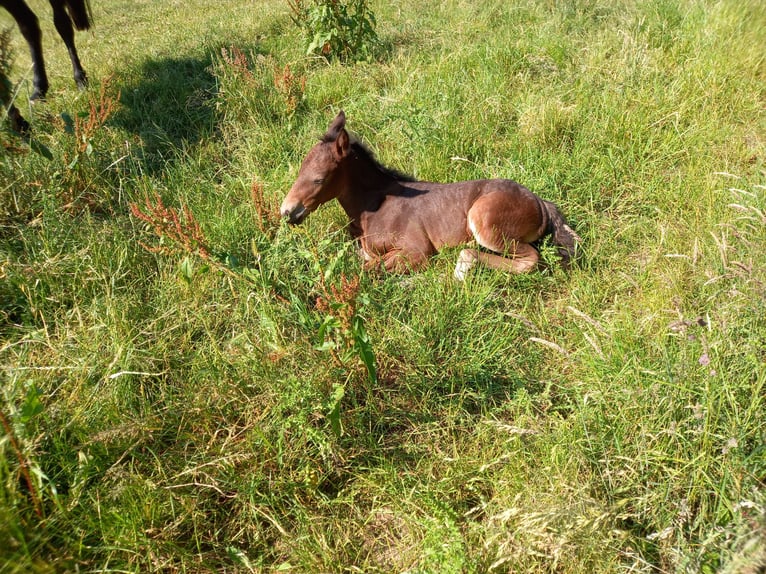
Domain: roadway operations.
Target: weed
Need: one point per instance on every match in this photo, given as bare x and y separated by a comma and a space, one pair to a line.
258, 85
178, 227
266, 210
86, 126
343, 29
342, 331
84, 167
236, 60
291, 88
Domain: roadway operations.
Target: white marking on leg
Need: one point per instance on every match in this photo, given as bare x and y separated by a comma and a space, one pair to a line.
366, 256
465, 261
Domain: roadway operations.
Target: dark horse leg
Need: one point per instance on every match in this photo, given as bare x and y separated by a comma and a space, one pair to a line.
64, 27
18, 123
30, 29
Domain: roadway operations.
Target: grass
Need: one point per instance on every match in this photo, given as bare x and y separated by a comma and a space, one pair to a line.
187, 382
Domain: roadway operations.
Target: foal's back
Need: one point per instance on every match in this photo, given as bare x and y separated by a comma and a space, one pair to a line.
441, 209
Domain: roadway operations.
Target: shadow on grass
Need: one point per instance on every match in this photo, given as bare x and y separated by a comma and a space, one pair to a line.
169, 105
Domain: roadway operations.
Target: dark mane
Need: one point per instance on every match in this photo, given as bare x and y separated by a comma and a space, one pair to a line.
362, 150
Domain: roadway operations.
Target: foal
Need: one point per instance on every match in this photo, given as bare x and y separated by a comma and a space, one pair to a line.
400, 222
65, 12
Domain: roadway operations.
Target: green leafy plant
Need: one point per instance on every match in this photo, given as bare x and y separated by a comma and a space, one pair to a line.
27, 468
343, 29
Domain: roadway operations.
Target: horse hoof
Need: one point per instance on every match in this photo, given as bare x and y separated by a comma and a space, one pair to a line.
82, 82
18, 123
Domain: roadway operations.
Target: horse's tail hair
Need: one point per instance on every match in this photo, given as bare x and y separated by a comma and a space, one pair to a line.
79, 11
564, 236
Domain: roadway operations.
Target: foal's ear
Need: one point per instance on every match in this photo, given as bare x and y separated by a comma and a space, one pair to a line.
336, 126
342, 144
338, 136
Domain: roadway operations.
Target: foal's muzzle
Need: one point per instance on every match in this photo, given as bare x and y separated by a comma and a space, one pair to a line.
294, 214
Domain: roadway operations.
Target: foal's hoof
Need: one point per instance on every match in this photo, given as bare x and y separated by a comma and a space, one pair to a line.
465, 261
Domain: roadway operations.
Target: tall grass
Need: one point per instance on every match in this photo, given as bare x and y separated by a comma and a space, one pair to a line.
190, 385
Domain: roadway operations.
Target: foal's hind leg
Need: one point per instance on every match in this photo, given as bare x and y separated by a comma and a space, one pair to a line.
524, 259
65, 29
503, 228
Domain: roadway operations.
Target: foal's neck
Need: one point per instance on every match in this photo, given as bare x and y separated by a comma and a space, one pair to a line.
366, 185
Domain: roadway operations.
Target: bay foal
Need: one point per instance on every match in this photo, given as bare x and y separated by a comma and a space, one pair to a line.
400, 222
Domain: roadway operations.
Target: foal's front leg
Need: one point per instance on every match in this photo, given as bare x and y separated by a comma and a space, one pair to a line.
402, 261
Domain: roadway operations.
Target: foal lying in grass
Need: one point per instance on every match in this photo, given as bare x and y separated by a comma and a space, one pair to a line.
400, 222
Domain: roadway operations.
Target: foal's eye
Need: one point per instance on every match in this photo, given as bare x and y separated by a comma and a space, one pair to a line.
319, 181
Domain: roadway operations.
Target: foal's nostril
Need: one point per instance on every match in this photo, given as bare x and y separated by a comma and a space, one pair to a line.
287, 209
294, 214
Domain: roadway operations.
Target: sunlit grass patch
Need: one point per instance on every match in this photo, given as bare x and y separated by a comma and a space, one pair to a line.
190, 384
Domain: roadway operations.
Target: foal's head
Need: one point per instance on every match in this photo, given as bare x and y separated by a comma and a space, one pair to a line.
318, 180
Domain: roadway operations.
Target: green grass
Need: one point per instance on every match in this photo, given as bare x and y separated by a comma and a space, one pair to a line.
208, 406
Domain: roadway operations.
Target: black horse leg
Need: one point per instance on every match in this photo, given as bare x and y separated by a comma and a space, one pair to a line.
64, 27
18, 123
30, 29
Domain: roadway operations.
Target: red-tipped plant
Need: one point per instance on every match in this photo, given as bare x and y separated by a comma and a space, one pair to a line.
178, 226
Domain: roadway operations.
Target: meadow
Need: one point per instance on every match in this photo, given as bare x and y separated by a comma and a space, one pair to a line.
191, 385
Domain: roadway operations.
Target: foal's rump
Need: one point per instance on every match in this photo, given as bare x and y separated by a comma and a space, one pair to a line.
506, 215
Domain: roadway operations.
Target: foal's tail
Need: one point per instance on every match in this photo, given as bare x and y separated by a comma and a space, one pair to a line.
79, 11
563, 236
